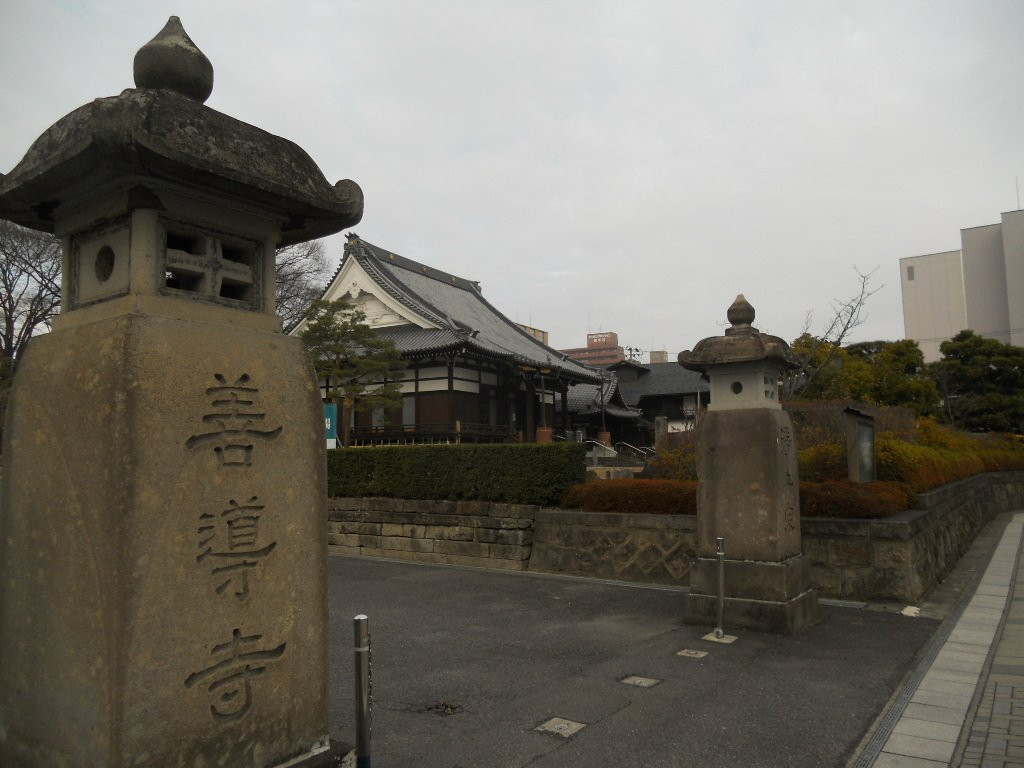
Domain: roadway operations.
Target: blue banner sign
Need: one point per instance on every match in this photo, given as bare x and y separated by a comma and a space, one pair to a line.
331, 420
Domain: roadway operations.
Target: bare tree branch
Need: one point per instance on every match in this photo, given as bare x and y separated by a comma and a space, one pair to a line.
817, 353
30, 264
301, 277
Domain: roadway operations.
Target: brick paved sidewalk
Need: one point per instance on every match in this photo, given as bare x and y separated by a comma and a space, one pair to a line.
966, 707
996, 736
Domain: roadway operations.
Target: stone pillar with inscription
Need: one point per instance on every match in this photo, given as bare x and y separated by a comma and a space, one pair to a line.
749, 490
163, 545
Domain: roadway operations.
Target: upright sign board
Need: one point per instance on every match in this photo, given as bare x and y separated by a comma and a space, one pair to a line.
860, 446
331, 424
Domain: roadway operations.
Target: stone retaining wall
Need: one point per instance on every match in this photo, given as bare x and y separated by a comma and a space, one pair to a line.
902, 557
897, 559
452, 532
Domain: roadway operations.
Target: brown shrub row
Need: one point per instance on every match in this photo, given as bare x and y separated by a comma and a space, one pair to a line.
842, 498
909, 460
659, 497
679, 497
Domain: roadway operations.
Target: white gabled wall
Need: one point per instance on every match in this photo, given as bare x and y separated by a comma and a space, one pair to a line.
380, 308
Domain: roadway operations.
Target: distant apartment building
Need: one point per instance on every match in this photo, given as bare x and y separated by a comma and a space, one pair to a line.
980, 287
601, 349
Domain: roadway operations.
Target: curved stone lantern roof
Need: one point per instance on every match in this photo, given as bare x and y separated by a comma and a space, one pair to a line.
162, 130
742, 343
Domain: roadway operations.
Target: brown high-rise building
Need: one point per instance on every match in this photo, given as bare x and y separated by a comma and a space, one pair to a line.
602, 349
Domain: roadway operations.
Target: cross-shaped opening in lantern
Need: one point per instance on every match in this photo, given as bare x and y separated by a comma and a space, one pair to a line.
217, 267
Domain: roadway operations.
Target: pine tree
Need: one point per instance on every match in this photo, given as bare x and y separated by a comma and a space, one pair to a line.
358, 367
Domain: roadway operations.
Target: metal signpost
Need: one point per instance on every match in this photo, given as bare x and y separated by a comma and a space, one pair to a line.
363, 687
720, 556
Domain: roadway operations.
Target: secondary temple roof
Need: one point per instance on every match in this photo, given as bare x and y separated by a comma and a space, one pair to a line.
161, 129
459, 319
587, 399
657, 380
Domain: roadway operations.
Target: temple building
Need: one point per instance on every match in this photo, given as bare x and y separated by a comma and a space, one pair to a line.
598, 411
662, 389
471, 375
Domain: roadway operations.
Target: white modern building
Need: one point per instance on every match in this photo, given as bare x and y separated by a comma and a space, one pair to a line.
980, 287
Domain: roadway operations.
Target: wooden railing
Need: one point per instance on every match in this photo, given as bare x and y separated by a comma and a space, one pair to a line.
457, 432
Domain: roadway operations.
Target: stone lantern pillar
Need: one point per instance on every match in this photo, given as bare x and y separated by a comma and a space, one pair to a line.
749, 490
163, 555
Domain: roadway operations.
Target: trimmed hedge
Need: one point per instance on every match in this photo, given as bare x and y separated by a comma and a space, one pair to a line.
935, 457
675, 462
515, 474
837, 499
845, 499
923, 467
659, 497
822, 462
909, 462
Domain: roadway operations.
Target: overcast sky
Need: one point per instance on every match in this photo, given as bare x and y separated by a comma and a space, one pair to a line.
619, 165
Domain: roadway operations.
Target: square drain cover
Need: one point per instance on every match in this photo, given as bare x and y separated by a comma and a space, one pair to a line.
640, 682
691, 654
726, 639
561, 727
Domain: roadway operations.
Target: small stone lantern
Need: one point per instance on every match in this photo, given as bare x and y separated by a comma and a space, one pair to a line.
744, 366
163, 558
749, 489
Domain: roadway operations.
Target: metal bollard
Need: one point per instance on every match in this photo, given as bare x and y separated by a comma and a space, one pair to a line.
720, 555
364, 690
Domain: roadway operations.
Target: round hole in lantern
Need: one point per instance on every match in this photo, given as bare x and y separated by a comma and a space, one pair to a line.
104, 264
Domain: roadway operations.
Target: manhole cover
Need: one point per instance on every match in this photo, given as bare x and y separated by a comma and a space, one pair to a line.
640, 682
561, 727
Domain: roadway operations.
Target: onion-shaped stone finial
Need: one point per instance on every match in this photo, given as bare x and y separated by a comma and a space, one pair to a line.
171, 61
741, 313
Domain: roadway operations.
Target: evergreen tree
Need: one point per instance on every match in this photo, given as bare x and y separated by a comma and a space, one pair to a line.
881, 372
358, 367
894, 373
982, 383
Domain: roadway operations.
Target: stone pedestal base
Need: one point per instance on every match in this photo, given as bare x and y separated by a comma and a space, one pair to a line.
779, 618
759, 595
754, 579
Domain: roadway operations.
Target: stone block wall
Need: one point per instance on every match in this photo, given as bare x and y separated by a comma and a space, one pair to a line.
902, 557
451, 532
898, 559
650, 548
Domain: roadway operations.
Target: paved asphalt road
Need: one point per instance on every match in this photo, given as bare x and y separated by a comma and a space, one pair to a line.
467, 663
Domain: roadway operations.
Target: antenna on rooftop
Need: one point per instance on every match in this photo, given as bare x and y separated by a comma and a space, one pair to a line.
1016, 181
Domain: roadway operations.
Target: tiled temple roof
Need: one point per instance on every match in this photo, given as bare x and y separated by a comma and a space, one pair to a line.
466, 322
